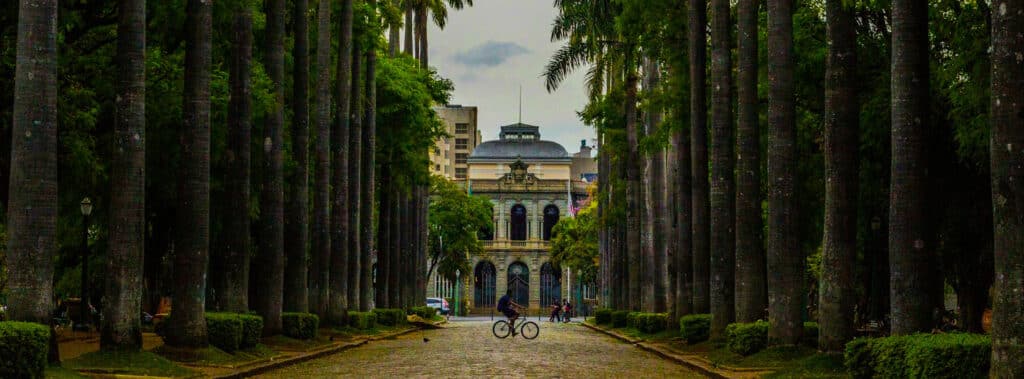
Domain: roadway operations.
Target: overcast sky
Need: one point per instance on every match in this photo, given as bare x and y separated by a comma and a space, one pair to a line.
492, 48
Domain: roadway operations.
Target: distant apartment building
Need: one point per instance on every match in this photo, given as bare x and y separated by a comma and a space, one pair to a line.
450, 153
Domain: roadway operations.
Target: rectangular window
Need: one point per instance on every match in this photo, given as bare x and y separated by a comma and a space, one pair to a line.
461, 143
460, 158
461, 128
460, 173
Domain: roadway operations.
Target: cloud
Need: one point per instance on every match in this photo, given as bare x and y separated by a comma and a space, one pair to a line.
490, 54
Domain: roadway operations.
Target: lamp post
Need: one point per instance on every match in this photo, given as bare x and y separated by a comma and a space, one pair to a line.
458, 297
86, 208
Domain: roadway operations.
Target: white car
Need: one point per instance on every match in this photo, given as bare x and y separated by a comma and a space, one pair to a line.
439, 304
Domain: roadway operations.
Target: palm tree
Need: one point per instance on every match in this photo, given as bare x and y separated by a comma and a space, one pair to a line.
231, 281
32, 208
912, 267
320, 268
296, 296
356, 205
367, 172
270, 257
187, 325
697, 34
785, 262
344, 278
121, 324
1007, 187
839, 253
751, 295
723, 234
683, 233
439, 10
655, 207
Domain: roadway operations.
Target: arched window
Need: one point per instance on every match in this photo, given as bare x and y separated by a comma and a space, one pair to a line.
519, 283
550, 285
484, 284
518, 223
550, 219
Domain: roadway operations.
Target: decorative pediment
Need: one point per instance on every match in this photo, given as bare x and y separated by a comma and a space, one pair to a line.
519, 174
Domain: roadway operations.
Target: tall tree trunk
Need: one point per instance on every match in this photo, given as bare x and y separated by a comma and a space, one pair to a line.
785, 261
383, 285
270, 257
320, 270
296, 295
421, 26
398, 208
654, 232
911, 260
634, 193
723, 197
697, 35
355, 181
409, 25
369, 150
751, 289
1008, 187
187, 324
604, 246
121, 328
839, 252
684, 228
231, 282
394, 34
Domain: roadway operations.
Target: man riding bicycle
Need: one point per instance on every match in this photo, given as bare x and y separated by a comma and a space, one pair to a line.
508, 308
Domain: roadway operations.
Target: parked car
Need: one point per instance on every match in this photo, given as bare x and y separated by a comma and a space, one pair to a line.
438, 303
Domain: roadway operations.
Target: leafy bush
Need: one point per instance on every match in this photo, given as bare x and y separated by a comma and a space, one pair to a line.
810, 334
224, 330
631, 320
619, 319
390, 317
695, 328
425, 312
603, 316
252, 329
23, 349
301, 326
920, 356
362, 320
649, 323
746, 338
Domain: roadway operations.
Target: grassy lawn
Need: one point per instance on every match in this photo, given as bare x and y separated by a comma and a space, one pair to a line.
208, 356
280, 342
136, 363
350, 332
58, 372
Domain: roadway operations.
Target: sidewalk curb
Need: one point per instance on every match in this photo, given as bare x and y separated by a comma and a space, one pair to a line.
660, 352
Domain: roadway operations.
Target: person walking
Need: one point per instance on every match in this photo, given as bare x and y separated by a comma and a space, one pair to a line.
555, 310
566, 311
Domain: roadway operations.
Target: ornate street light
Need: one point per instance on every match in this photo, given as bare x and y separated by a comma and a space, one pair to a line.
458, 297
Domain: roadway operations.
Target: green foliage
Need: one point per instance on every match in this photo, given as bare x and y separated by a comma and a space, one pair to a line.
455, 218
424, 312
225, 330
390, 317
23, 349
362, 320
603, 316
252, 330
301, 326
747, 338
619, 319
129, 363
649, 323
695, 328
920, 356
574, 243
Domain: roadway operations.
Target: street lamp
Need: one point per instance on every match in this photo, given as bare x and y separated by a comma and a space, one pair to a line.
458, 297
86, 208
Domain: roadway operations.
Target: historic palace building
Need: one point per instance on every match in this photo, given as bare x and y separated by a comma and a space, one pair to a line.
532, 184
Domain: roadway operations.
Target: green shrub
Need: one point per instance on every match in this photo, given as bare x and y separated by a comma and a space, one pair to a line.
649, 323
857, 358
252, 329
949, 356
603, 316
887, 357
746, 338
224, 330
619, 319
303, 326
23, 349
362, 320
695, 328
425, 312
390, 317
631, 320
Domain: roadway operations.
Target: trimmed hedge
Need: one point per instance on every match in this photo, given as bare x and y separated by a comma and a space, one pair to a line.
303, 326
619, 319
929, 356
746, 338
390, 316
603, 316
695, 328
362, 320
424, 312
252, 330
631, 319
224, 330
23, 349
649, 323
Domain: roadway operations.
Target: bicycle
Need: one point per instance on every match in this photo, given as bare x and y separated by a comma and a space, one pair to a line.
527, 329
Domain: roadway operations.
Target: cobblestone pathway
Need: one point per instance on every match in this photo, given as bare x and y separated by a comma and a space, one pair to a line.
468, 349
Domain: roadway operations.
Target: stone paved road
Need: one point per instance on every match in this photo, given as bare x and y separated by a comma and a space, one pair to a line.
468, 349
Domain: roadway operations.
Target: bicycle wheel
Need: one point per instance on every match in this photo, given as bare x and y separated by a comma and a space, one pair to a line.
501, 329
529, 330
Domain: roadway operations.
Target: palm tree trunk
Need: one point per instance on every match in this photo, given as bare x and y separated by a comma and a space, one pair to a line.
409, 25
395, 243
911, 262
320, 268
421, 27
187, 325
356, 196
839, 252
655, 210
785, 261
723, 197
684, 228
634, 193
344, 284
369, 151
699, 141
123, 294
296, 296
394, 34
751, 291
1007, 188
270, 257
383, 286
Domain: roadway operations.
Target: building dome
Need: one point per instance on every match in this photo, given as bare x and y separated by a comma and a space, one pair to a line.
519, 141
